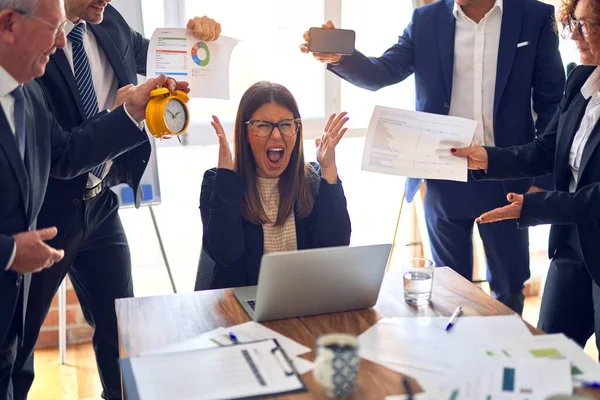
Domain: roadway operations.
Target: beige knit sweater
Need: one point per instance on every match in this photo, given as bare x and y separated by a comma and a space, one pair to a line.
276, 238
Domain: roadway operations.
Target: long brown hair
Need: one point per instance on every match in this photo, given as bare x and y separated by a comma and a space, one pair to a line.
296, 183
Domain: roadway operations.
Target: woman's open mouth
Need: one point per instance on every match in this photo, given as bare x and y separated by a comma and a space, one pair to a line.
275, 156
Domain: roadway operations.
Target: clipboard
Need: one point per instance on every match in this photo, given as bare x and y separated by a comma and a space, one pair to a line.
240, 371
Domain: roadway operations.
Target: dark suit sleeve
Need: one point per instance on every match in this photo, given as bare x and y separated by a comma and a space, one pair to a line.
374, 73
140, 46
530, 160
330, 224
561, 207
221, 199
548, 82
99, 140
7, 245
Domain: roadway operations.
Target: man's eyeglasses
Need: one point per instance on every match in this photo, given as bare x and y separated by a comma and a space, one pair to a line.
583, 27
58, 30
287, 127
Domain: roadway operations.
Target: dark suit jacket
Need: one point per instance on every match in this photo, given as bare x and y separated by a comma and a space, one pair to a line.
126, 51
549, 152
49, 150
236, 245
426, 48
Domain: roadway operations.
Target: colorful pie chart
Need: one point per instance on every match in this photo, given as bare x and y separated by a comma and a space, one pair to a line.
196, 54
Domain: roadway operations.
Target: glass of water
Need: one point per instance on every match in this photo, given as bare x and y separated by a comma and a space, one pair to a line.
418, 281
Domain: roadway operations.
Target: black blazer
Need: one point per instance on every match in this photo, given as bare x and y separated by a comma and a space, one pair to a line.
49, 151
126, 51
550, 153
236, 245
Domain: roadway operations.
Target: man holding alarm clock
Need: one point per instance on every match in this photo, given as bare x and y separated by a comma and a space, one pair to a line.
102, 54
487, 60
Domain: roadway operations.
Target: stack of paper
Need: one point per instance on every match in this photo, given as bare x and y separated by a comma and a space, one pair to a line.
247, 332
423, 349
479, 358
524, 379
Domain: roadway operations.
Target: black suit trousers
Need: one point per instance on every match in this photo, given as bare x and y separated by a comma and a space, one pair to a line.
98, 262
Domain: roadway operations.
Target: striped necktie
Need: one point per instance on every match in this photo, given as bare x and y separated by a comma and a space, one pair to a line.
19, 97
85, 84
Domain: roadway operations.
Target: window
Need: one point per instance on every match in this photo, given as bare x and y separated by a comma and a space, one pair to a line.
376, 31
270, 32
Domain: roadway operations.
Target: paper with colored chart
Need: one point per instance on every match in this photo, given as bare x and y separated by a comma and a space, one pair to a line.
557, 346
205, 65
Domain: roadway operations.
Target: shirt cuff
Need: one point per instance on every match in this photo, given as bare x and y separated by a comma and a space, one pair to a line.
140, 125
12, 257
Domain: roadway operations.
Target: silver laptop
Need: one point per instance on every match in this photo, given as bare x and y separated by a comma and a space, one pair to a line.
319, 281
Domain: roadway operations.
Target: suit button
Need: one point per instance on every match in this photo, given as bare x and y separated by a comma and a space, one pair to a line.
446, 105
76, 201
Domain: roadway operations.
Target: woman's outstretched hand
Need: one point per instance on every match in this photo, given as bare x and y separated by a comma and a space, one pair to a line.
225, 158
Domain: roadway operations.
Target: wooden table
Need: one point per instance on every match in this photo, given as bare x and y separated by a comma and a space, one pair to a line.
151, 322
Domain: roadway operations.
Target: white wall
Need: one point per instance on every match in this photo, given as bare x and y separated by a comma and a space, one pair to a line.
131, 11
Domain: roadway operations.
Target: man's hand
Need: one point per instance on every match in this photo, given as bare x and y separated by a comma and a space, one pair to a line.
123, 95
33, 254
140, 96
204, 28
326, 58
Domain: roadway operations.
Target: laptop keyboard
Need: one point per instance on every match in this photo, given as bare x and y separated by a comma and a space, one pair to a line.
252, 304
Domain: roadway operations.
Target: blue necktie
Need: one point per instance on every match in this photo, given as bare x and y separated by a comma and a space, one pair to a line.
19, 97
85, 84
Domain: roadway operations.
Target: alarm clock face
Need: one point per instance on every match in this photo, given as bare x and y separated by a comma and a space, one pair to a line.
175, 116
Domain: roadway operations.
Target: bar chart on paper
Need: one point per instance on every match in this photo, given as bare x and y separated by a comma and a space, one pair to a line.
411, 144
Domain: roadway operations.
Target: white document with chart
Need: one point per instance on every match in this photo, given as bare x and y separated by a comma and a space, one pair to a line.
416, 144
205, 65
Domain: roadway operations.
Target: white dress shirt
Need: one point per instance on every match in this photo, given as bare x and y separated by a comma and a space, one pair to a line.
103, 76
591, 89
7, 102
474, 73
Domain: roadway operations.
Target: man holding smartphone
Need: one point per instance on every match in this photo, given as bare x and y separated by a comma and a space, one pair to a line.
486, 60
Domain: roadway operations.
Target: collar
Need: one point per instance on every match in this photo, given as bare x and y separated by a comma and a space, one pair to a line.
591, 87
456, 11
7, 82
70, 25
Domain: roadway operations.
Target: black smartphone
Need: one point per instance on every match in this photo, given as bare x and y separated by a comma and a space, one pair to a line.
336, 41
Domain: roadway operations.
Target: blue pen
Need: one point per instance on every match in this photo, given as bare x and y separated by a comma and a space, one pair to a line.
233, 338
453, 318
590, 384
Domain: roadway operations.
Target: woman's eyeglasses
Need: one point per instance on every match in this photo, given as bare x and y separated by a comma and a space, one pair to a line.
287, 127
583, 27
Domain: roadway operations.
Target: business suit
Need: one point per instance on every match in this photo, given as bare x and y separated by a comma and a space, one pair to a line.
90, 231
49, 150
236, 245
571, 301
527, 60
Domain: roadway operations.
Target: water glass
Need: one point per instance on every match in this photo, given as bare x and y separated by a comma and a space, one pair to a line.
418, 281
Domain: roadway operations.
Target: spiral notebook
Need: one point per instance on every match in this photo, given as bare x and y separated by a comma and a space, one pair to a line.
250, 370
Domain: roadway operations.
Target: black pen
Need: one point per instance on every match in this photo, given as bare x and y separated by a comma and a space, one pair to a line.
407, 389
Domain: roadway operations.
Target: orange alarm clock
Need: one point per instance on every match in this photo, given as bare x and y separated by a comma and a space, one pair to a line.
167, 114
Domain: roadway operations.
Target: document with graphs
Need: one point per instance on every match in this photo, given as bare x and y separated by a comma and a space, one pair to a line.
205, 65
416, 144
